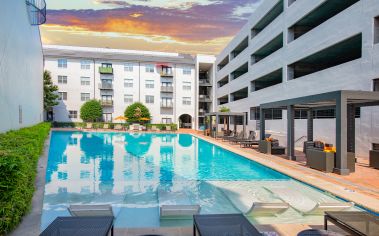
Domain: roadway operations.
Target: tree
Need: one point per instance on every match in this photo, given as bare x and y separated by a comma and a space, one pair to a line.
49, 92
91, 111
136, 111
224, 109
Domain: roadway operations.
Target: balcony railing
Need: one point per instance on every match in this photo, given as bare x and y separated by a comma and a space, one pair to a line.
202, 112
167, 89
204, 98
167, 105
106, 86
204, 82
167, 74
105, 70
106, 103
36, 11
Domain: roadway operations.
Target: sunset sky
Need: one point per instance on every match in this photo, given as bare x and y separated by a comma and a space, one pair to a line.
184, 26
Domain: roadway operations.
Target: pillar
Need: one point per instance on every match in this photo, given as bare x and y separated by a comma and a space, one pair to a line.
262, 123
351, 128
244, 125
217, 122
341, 136
310, 125
291, 132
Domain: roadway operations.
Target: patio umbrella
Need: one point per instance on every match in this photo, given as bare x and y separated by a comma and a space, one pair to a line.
144, 119
121, 118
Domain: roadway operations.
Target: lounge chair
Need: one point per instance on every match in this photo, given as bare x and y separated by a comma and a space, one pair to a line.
118, 127
90, 210
135, 127
250, 137
154, 128
233, 135
305, 205
168, 128
267, 208
239, 137
176, 205
89, 126
223, 134
106, 126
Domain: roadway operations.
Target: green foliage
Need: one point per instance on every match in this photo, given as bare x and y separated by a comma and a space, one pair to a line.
136, 111
91, 111
97, 125
19, 153
49, 92
224, 109
162, 126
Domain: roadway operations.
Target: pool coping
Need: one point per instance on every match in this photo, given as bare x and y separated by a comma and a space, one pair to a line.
31, 222
369, 203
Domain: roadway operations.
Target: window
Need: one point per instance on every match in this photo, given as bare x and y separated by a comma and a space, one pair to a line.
85, 81
85, 65
187, 71
186, 101
128, 83
128, 98
166, 121
376, 85
149, 68
166, 102
72, 114
62, 63
254, 113
84, 97
128, 67
186, 85
62, 79
149, 84
107, 117
149, 99
62, 96
107, 65
270, 114
375, 146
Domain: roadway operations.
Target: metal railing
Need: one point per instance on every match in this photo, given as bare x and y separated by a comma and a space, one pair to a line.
167, 89
36, 11
105, 70
167, 104
105, 86
106, 102
166, 74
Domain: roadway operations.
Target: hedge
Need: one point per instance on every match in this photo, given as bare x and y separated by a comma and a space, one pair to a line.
111, 125
19, 153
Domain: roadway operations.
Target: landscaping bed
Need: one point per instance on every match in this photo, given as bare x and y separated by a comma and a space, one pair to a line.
19, 154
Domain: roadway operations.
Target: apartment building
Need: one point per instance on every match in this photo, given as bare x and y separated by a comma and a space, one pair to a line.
167, 83
295, 48
21, 63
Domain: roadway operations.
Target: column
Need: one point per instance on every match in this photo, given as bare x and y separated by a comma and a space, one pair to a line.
262, 123
310, 125
341, 136
291, 132
350, 128
244, 125
217, 122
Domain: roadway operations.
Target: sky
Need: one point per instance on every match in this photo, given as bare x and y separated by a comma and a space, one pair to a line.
183, 26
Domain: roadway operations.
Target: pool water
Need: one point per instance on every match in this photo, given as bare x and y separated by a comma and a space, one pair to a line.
129, 170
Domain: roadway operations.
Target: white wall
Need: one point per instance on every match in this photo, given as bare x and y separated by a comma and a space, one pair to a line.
21, 67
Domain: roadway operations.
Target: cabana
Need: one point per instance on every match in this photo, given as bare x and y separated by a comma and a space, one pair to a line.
344, 102
228, 115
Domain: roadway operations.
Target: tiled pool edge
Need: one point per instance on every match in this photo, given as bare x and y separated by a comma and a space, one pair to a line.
368, 203
31, 222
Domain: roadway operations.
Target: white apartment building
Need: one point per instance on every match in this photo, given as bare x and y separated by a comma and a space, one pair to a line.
295, 48
169, 84
21, 63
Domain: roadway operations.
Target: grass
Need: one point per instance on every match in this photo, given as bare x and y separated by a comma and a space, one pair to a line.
19, 154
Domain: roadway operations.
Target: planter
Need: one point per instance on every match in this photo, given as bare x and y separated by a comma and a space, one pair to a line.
320, 160
374, 159
264, 146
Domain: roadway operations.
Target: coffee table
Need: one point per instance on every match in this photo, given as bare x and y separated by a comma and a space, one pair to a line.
354, 222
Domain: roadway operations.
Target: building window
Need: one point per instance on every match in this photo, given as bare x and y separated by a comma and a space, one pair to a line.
107, 117
254, 113
186, 85
376, 30
85, 81
128, 83
128, 98
84, 97
186, 101
62, 63
270, 114
72, 114
62, 96
187, 71
128, 67
149, 99
149, 84
62, 79
149, 68
166, 102
376, 85
85, 65
166, 121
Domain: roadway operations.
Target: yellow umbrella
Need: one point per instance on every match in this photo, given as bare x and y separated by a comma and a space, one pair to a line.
121, 118
145, 119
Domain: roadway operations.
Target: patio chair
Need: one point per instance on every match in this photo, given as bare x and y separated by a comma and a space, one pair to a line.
182, 208
154, 128
168, 128
90, 210
135, 127
118, 127
239, 137
89, 126
106, 126
305, 205
250, 137
233, 135
224, 134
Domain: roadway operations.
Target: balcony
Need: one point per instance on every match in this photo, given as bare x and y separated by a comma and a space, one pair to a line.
202, 112
205, 82
167, 89
106, 86
167, 104
106, 103
204, 98
106, 70
167, 74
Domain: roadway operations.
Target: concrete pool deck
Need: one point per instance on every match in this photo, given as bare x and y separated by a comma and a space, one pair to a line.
357, 187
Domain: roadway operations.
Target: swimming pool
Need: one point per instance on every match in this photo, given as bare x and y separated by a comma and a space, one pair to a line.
129, 170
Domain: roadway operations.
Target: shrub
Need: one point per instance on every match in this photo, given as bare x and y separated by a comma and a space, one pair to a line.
136, 111
162, 126
19, 153
91, 111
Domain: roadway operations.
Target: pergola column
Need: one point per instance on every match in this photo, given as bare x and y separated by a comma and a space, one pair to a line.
262, 119
244, 125
351, 128
210, 126
291, 132
235, 124
310, 125
217, 122
341, 136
